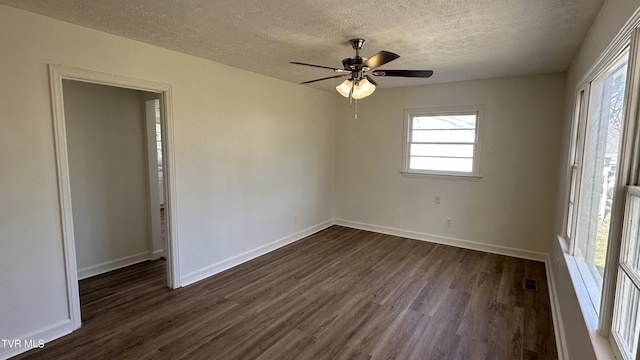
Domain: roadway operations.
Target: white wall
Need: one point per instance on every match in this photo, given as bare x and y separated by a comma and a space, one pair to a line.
512, 205
108, 175
248, 158
611, 18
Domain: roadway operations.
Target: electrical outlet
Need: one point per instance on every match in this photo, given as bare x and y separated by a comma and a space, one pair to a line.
449, 222
295, 219
438, 199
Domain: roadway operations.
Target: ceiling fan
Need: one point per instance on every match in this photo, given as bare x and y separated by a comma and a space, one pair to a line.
360, 84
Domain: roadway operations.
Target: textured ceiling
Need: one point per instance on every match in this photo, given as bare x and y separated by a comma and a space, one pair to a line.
458, 39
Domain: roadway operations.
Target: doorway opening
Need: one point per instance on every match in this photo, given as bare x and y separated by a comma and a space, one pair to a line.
113, 138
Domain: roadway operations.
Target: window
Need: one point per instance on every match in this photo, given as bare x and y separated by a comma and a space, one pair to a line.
593, 173
626, 316
442, 142
602, 160
159, 139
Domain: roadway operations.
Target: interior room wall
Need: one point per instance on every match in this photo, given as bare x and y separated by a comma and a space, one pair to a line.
254, 161
611, 18
107, 170
510, 207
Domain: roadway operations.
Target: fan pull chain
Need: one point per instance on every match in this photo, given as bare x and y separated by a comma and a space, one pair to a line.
351, 103
355, 114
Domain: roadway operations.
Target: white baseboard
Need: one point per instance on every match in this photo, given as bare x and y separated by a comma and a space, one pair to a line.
465, 244
157, 254
558, 326
113, 265
210, 270
38, 337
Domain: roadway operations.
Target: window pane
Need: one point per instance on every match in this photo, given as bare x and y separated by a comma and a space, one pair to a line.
442, 150
441, 164
443, 143
443, 136
445, 122
625, 321
159, 139
631, 247
598, 175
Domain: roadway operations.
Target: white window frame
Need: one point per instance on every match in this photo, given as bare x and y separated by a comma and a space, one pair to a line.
626, 269
604, 311
574, 174
628, 174
409, 114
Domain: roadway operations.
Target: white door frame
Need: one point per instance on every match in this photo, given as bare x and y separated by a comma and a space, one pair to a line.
57, 73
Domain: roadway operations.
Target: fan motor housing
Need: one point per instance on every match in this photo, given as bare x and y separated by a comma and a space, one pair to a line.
354, 63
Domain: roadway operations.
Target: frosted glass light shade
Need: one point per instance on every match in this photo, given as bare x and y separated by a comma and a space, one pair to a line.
345, 88
363, 89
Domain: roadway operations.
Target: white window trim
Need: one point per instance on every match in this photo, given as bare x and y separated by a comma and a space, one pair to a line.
574, 164
449, 110
604, 312
599, 328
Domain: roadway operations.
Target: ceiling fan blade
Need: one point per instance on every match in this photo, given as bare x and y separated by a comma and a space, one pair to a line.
404, 73
325, 78
380, 59
318, 66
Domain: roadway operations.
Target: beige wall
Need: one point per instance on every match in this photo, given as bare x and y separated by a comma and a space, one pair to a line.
611, 18
251, 152
250, 158
108, 174
511, 206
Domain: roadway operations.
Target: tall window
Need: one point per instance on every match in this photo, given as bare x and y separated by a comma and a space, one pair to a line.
442, 142
592, 192
626, 317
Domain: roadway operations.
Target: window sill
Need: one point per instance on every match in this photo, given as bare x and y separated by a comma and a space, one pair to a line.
409, 174
601, 346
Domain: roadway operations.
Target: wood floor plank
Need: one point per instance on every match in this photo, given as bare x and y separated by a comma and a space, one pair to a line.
338, 294
535, 270
538, 332
403, 336
464, 348
374, 330
481, 308
440, 278
505, 332
334, 337
288, 347
511, 284
467, 273
493, 263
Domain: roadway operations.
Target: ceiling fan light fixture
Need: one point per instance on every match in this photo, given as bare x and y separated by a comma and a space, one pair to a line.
345, 88
360, 85
362, 89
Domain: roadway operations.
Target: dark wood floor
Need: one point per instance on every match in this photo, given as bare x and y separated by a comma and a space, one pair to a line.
339, 294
